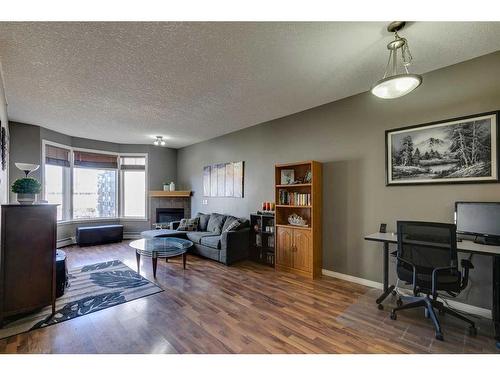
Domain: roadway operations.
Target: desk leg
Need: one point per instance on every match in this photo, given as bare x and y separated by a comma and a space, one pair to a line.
387, 289
495, 310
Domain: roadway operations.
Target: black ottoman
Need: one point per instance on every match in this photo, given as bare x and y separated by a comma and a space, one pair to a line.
88, 236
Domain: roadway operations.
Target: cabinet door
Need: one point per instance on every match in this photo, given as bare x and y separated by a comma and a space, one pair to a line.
284, 243
302, 250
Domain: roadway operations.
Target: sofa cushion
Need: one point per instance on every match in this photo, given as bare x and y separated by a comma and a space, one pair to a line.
211, 241
231, 223
190, 225
215, 223
197, 236
202, 225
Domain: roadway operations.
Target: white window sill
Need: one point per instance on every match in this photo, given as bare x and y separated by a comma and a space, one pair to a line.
102, 219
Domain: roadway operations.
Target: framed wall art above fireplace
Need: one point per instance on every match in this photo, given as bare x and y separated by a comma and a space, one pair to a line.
459, 150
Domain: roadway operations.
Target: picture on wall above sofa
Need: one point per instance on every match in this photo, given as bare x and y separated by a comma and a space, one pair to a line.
461, 150
223, 180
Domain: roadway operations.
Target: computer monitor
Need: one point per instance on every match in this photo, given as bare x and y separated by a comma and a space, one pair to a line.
480, 219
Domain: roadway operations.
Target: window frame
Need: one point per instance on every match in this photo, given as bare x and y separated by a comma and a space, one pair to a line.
119, 183
121, 180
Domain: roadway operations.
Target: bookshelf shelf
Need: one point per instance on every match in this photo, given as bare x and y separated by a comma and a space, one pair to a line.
292, 206
292, 185
262, 242
298, 249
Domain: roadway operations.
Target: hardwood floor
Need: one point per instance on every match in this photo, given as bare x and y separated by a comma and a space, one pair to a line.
245, 308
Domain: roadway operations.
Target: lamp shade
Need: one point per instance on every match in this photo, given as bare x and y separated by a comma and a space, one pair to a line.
396, 86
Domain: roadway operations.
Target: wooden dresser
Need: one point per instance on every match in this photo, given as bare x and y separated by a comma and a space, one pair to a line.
298, 249
27, 258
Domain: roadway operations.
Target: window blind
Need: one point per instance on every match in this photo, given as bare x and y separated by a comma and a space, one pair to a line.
133, 163
93, 160
56, 156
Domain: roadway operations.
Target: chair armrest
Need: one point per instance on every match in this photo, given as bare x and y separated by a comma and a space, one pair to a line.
174, 225
414, 274
466, 266
435, 273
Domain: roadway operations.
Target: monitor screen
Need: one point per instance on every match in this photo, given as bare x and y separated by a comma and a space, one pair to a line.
478, 218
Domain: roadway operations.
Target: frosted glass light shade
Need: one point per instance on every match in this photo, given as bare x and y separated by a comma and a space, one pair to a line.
396, 86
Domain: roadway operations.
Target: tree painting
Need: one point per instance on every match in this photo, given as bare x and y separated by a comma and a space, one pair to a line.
457, 151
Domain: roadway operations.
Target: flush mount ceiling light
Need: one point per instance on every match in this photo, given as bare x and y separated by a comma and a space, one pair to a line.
159, 141
397, 82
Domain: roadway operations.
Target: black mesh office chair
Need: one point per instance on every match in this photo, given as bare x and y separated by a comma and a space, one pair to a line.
427, 259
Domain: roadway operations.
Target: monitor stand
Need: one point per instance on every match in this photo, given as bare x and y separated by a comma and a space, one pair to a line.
487, 240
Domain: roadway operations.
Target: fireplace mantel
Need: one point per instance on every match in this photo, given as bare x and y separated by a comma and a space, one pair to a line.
170, 194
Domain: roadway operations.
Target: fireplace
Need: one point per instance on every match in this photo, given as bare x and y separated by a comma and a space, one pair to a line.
167, 215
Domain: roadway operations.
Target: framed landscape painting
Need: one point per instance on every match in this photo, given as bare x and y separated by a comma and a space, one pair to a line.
460, 150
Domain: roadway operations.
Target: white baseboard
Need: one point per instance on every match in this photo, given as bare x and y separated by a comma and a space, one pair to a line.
470, 309
131, 235
66, 242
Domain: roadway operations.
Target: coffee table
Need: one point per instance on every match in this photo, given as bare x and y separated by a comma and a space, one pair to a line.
160, 247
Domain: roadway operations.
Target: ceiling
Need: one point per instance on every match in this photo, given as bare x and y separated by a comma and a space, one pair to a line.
127, 82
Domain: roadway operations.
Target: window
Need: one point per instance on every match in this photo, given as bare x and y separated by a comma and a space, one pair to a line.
133, 186
94, 193
87, 184
56, 180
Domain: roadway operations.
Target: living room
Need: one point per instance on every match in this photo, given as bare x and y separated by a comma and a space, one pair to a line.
279, 187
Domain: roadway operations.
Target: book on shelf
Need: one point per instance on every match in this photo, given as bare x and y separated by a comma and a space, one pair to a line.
294, 199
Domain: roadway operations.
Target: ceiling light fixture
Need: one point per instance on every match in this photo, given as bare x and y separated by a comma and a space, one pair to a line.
397, 83
159, 141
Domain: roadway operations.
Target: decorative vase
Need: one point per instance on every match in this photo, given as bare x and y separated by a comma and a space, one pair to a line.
25, 198
172, 186
166, 187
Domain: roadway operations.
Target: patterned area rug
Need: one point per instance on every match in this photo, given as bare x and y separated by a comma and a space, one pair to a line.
91, 288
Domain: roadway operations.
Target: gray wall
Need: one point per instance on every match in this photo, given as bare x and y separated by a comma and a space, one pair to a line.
347, 136
25, 144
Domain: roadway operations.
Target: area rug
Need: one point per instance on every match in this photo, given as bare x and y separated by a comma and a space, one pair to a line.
91, 288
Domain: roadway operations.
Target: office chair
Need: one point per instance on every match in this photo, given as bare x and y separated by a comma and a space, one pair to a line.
427, 259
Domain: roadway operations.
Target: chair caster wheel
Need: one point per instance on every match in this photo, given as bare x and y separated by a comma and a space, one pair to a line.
393, 315
380, 306
439, 336
472, 331
399, 302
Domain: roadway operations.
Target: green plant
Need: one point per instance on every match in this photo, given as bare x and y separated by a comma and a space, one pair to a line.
26, 185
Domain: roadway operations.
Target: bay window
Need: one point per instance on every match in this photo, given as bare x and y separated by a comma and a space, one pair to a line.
90, 185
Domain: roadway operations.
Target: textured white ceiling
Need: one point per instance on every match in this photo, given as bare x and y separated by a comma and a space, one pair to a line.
126, 82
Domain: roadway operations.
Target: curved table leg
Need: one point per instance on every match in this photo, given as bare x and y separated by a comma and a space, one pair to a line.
184, 256
138, 258
155, 262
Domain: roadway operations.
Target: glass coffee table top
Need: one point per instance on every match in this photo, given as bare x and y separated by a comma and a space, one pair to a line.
161, 247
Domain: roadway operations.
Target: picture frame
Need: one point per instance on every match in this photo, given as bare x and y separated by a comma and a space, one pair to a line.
287, 176
223, 180
460, 150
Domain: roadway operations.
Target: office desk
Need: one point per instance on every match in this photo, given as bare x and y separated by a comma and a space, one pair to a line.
463, 246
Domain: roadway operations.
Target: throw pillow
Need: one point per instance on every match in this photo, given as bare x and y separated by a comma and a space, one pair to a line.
189, 225
215, 223
231, 223
202, 226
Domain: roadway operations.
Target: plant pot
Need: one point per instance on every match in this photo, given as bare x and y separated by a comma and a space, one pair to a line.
26, 198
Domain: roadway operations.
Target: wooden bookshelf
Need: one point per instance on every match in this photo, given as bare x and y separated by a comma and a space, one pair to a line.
298, 248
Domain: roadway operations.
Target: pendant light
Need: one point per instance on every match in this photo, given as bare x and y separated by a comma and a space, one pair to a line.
397, 82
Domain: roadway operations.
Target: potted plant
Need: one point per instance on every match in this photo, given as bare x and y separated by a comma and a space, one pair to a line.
26, 189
